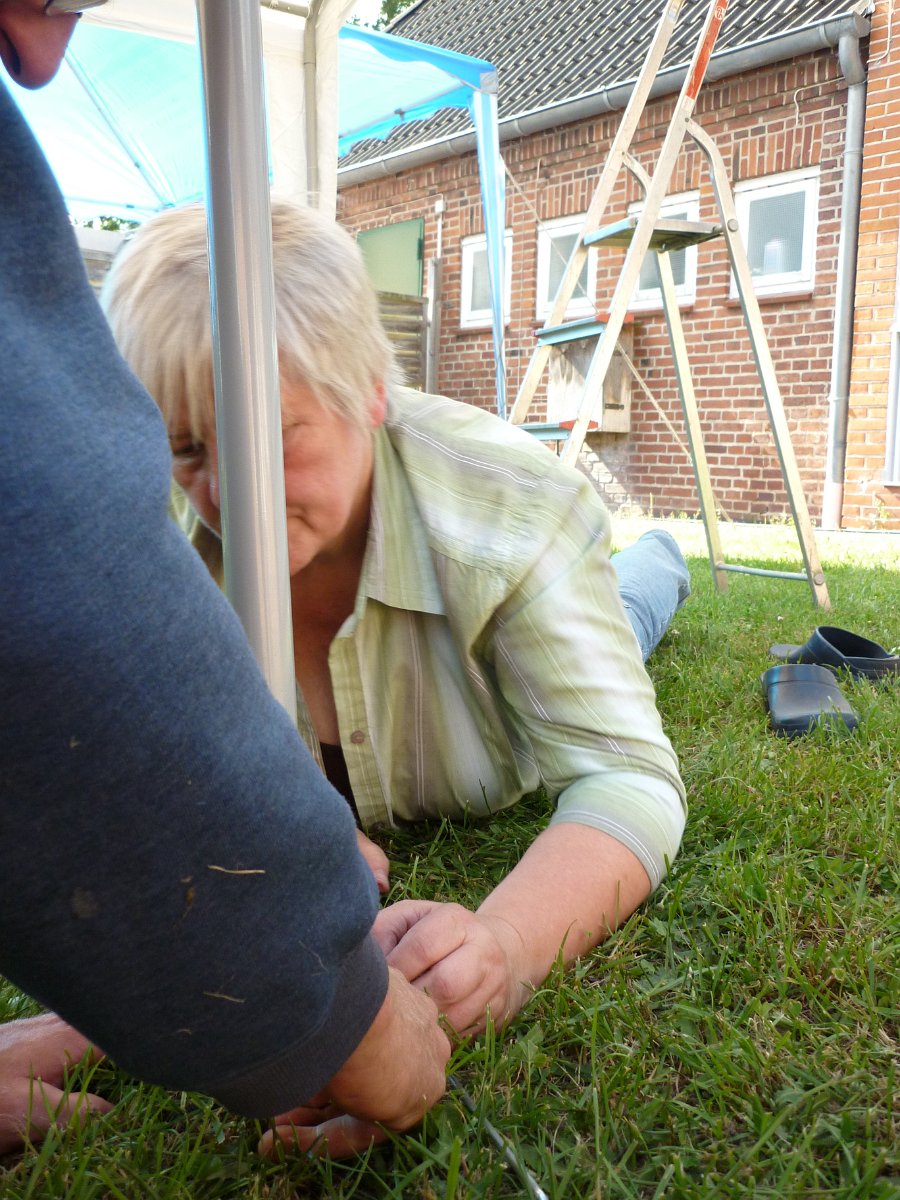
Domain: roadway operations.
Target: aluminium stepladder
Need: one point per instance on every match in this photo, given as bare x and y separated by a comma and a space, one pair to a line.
648, 232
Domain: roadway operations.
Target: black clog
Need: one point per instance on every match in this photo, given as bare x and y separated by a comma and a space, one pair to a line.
801, 696
835, 648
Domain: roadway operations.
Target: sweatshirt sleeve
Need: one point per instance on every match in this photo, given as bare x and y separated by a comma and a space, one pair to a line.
177, 879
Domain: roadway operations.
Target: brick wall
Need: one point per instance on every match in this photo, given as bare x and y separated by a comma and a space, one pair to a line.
776, 119
868, 502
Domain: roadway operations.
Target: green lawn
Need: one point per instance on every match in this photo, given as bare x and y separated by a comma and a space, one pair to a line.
738, 1037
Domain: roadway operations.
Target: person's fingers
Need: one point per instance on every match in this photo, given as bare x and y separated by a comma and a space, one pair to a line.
310, 1113
398, 1070
455, 976
471, 971
434, 937
76, 1106
70, 1047
395, 1074
337, 1137
45, 1046
395, 921
464, 985
48, 1106
379, 863
451, 954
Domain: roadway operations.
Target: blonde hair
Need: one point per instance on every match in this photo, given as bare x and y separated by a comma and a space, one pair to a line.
329, 334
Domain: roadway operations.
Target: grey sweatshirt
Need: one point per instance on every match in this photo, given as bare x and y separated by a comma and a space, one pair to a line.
176, 877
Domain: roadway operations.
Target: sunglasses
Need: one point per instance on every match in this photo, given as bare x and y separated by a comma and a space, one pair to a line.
53, 7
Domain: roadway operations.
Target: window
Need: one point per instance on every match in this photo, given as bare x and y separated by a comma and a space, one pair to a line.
556, 240
683, 207
778, 217
475, 306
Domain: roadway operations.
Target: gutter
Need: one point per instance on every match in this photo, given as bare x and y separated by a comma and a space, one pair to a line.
845, 293
614, 98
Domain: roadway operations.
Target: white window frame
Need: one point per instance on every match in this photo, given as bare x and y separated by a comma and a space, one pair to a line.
686, 206
783, 282
548, 231
480, 318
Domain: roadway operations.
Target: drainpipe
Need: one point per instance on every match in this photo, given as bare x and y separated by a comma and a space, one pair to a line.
839, 396
310, 104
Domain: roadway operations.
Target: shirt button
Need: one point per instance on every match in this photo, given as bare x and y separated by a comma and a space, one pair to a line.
357, 737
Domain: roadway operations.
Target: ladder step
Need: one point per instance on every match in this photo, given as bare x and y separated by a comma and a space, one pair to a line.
552, 431
668, 234
742, 570
552, 335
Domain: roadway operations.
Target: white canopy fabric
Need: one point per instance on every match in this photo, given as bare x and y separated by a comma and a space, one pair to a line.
122, 124
124, 127
109, 148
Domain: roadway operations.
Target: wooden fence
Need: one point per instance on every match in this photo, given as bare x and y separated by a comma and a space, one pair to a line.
405, 319
406, 324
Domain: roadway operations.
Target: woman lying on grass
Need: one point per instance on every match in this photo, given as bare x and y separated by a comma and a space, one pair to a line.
459, 637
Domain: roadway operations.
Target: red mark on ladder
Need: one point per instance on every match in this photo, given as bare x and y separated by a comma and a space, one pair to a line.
705, 49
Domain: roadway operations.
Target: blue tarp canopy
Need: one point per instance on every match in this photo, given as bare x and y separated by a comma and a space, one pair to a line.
122, 124
386, 80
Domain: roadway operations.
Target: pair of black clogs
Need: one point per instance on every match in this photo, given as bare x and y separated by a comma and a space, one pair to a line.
804, 692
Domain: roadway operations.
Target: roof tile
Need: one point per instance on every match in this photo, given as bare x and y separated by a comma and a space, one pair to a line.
550, 51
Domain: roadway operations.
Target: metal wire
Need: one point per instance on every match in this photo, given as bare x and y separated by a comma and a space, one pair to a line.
503, 1144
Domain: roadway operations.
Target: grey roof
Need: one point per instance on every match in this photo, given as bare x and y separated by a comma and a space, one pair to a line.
548, 52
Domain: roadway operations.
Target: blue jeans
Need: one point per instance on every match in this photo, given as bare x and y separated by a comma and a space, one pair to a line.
653, 583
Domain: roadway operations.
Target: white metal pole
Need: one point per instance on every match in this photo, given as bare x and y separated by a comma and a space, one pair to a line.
245, 359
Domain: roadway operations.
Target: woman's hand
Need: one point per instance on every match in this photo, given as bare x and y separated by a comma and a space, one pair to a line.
572, 887
469, 963
378, 861
35, 1054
